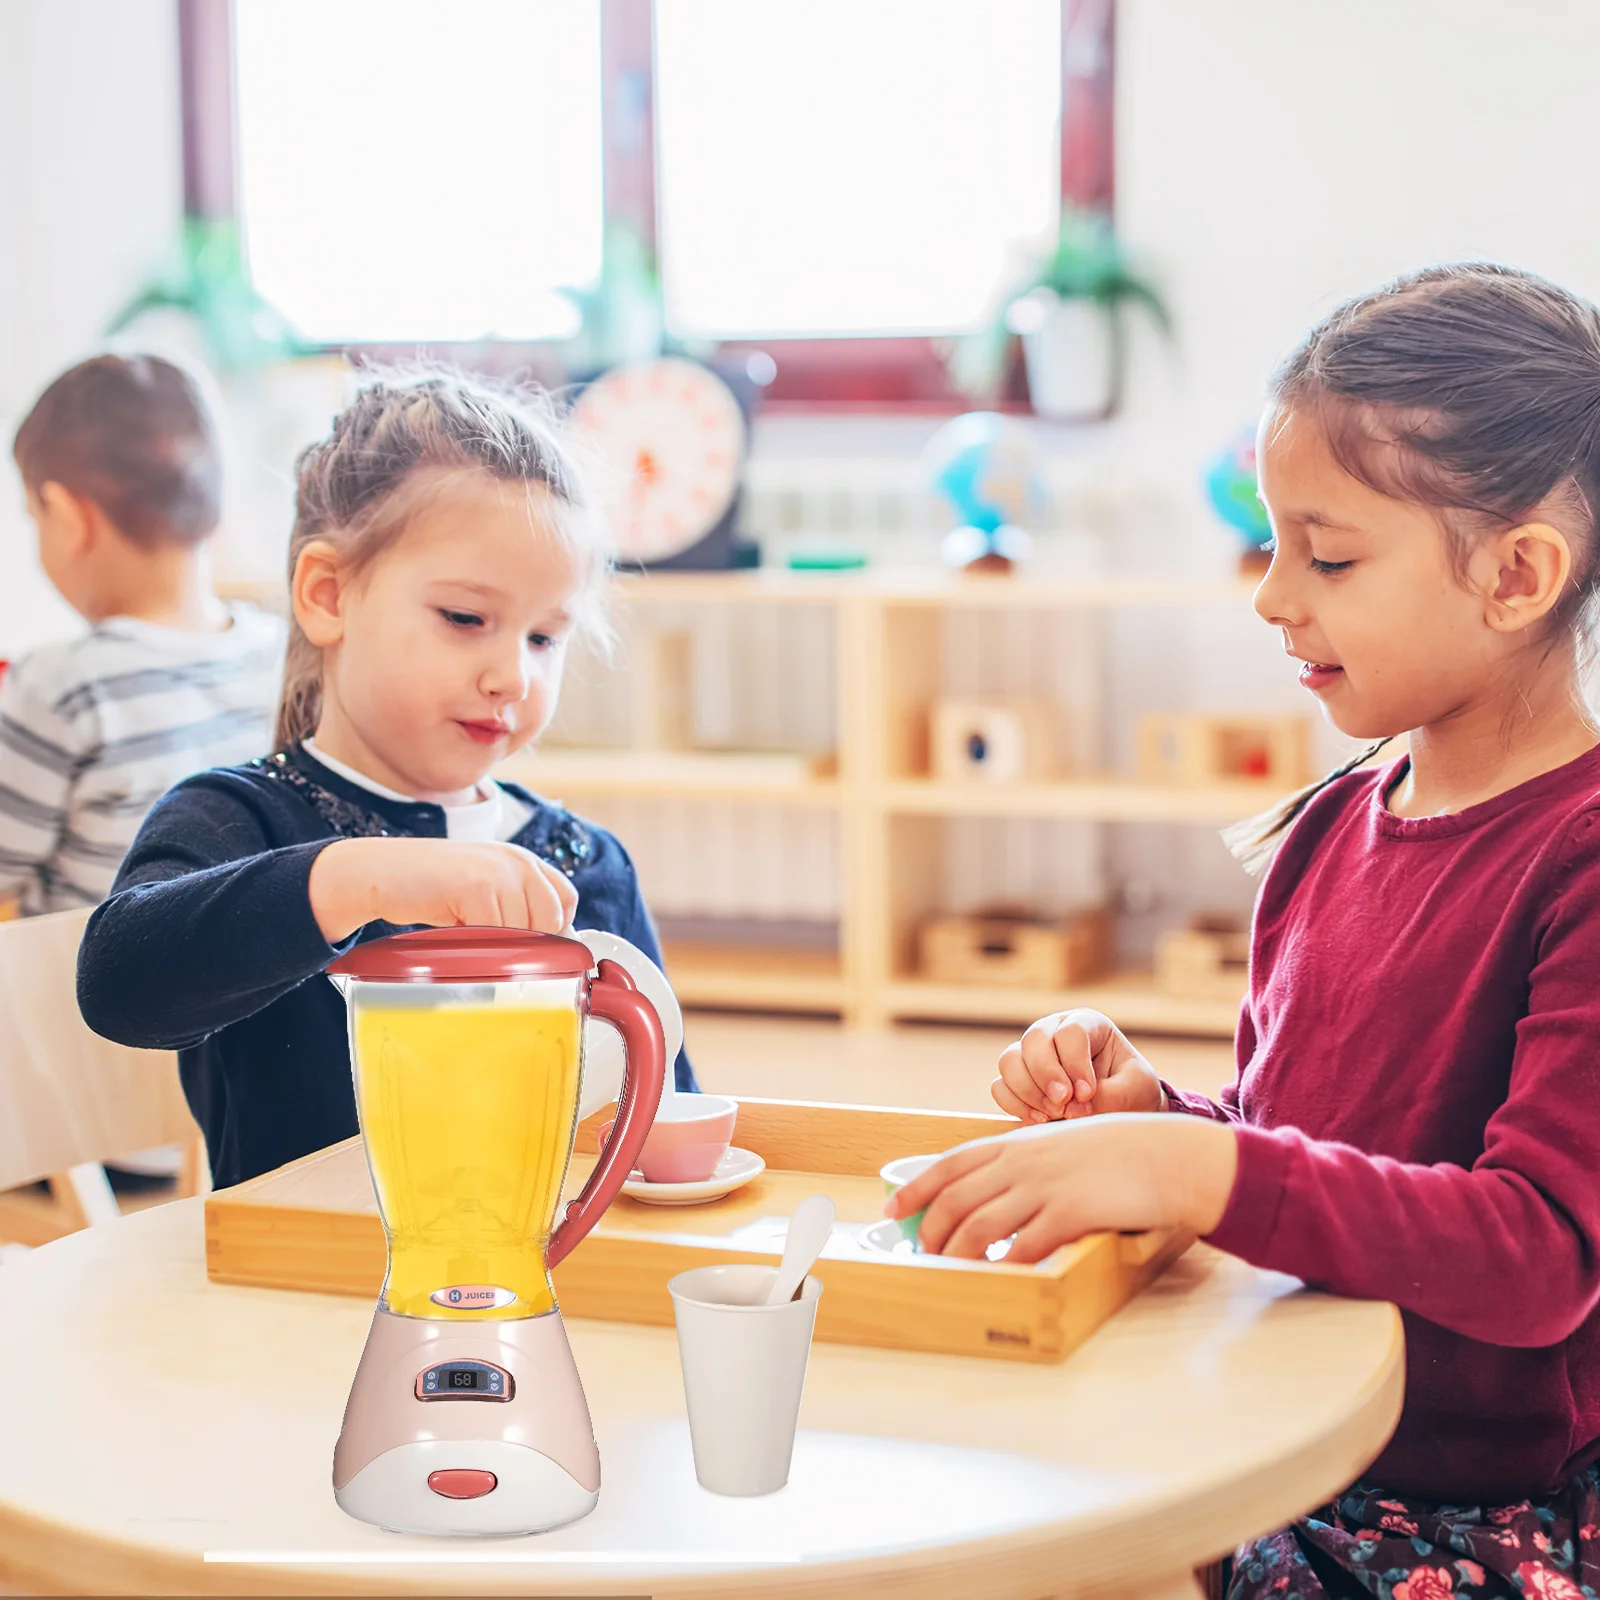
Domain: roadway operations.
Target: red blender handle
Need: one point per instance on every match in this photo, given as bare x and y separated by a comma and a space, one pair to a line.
613, 998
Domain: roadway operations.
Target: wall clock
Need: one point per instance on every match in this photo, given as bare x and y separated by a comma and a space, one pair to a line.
671, 436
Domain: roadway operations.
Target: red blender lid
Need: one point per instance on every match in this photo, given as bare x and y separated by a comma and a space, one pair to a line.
465, 955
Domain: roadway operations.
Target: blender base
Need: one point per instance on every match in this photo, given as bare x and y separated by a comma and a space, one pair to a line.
419, 1458
531, 1494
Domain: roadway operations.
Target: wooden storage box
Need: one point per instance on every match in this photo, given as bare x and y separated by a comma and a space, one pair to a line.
1210, 959
994, 740
1016, 950
1182, 749
314, 1225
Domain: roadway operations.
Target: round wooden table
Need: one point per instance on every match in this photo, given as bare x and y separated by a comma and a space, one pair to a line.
165, 1434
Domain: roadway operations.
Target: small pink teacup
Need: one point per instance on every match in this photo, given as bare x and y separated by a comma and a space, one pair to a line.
689, 1137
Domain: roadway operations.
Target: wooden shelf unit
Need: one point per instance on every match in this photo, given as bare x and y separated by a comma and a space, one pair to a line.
733, 775
887, 630
1131, 998
751, 977
1108, 799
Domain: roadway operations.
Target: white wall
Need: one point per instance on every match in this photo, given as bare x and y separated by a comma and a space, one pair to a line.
91, 191
1274, 158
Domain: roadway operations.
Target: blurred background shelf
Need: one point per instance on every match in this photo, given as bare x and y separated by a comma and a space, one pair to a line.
778, 776
1131, 999
1107, 799
751, 978
931, 586
764, 743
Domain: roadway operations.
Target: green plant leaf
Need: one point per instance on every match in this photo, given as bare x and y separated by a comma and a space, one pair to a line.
207, 279
1087, 262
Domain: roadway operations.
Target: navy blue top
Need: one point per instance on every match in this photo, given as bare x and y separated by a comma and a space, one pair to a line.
207, 945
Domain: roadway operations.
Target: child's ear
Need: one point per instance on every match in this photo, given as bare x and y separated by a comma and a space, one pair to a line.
317, 593
1532, 568
64, 516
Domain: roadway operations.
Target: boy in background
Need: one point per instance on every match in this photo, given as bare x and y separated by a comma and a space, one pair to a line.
120, 463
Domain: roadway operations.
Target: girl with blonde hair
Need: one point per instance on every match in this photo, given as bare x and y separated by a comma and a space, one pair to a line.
441, 561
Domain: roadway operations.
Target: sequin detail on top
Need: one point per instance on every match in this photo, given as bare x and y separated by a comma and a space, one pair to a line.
562, 840
557, 836
345, 817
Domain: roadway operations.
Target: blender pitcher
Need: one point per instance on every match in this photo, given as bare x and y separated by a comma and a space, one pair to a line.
467, 1414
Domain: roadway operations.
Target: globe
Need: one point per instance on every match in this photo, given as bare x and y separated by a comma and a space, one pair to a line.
1230, 480
985, 466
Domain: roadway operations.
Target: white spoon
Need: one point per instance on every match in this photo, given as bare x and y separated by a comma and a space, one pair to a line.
809, 1228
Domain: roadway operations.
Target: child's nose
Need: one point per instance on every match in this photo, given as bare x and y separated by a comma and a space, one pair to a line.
1275, 601
509, 675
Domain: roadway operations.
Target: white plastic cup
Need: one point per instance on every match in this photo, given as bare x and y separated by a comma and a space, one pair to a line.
744, 1367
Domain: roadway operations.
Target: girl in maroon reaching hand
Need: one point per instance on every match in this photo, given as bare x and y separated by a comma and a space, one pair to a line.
1416, 1116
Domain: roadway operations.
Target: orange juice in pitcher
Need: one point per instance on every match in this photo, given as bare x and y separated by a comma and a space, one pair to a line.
468, 1110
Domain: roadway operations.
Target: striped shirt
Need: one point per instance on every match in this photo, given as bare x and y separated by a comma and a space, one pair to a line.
94, 732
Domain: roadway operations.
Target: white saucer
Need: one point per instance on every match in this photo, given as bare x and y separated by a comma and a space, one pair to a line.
736, 1168
886, 1236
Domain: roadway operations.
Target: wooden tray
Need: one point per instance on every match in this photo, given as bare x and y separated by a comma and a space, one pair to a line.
314, 1225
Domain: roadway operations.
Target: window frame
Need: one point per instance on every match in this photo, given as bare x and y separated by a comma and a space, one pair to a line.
878, 374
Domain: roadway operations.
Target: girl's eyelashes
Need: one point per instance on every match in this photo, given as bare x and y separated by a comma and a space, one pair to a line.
1330, 566
471, 620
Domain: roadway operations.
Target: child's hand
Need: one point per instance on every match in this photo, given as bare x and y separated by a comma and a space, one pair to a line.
1053, 1184
1074, 1064
441, 883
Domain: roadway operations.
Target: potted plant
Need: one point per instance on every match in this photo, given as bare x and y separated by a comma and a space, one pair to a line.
1067, 311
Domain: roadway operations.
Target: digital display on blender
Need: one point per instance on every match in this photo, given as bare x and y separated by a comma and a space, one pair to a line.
464, 1380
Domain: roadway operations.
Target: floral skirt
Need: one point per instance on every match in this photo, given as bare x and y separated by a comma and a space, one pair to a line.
1373, 1543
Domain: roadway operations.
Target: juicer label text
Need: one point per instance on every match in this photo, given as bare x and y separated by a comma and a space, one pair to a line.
472, 1297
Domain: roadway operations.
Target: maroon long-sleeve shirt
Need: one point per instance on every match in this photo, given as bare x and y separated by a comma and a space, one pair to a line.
1418, 1111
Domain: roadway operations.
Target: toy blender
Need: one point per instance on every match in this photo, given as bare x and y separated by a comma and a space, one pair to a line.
467, 1414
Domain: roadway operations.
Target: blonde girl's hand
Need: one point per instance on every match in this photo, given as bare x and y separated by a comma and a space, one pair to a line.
441, 883
1075, 1064
1052, 1184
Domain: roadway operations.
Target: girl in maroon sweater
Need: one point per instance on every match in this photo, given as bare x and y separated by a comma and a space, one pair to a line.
1416, 1116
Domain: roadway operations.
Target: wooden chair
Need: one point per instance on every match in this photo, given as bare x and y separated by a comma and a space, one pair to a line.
70, 1100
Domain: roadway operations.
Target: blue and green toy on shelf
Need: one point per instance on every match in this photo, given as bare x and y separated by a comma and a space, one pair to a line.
1233, 490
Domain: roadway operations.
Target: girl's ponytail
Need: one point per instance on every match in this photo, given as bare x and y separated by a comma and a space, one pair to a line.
300, 701
1473, 389
1255, 841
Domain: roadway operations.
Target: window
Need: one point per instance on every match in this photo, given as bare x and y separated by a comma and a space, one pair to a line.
851, 167
433, 177
837, 183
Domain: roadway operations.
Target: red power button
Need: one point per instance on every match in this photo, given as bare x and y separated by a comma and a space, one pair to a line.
461, 1483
